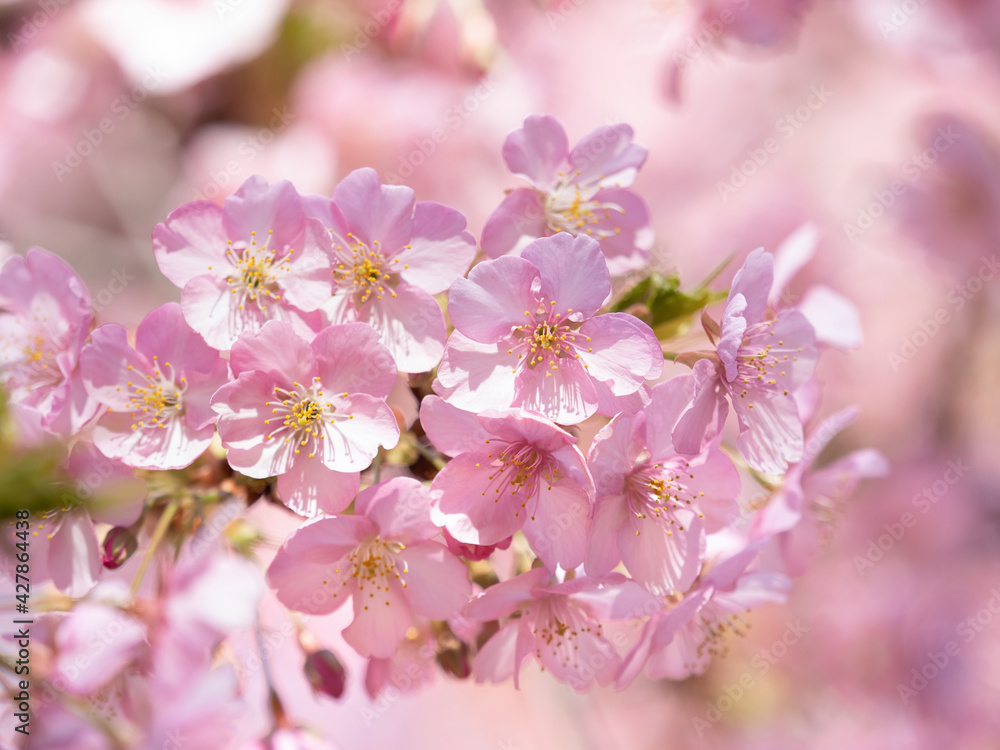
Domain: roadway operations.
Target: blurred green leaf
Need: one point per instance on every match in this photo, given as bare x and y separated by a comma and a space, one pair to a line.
659, 301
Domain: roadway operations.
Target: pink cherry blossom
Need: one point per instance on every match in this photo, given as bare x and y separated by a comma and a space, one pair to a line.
313, 414
390, 255
257, 258
512, 471
558, 623
655, 506
528, 335
798, 514
384, 558
679, 640
45, 318
156, 395
761, 360
582, 191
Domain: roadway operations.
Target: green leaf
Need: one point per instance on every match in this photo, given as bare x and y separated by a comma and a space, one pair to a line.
659, 301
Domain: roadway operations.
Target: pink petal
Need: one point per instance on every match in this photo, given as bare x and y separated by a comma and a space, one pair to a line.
274, 349
702, 423
306, 281
660, 562
165, 334
475, 376
607, 157
734, 325
174, 446
411, 325
440, 250
519, 219
513, 425
602, 555
537, 151
497, 660
352, 442
309, 488
375, 211
191, 242
625, 352
668, 401
558, 531
753, 281
450, 429
105, 363
211, 309
468, 504
770, 432
573, 273
400, 507
351, 359
791, 256
505, 598
493, 301
198, 412
625, 231
94, 629
835, 319
566, 396
581, 660
436, 582
381, 619
74, 558
262, 208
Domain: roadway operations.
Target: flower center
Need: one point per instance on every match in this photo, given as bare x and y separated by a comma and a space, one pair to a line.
546, 338
520, 469
658, 491
254, 279
29, 354
571, 207
364, 271
159, 400
763, 362
374, 564
301, 416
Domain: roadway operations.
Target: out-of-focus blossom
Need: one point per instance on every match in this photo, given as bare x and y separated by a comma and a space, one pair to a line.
681, 638
45, 319
256, 258
512, 471
583, 191
654, 506
314, 415
527, 335
156, 395
558, 623
390, 254
383, 558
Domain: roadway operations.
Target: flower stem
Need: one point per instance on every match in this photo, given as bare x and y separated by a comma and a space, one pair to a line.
158, 533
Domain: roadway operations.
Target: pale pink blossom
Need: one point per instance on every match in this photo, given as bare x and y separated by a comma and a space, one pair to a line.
557, 623
384, 559
512, 471
390, 255
761, 359
45, 319
255, 259
528, 335
655, 506
312, 414
583, 191
156, 396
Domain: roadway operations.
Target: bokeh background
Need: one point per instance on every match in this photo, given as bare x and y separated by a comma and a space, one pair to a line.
878, 121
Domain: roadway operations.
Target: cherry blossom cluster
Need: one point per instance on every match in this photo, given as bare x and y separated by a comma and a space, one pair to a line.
493, 463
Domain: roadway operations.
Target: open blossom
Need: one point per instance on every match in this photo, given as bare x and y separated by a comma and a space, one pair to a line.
513, 470
390, 255
558, 623
156, 395
655, 506
45, 318
257, 258
314, 415
680, 639
582, 191
528, 335
799, 513
384, 558
761, 360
